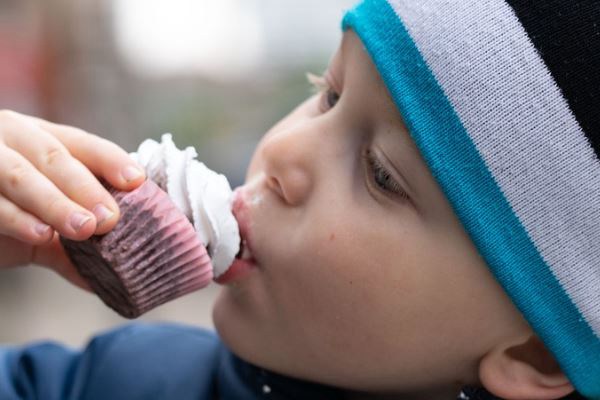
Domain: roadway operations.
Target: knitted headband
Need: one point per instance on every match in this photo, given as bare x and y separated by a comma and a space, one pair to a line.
503, 100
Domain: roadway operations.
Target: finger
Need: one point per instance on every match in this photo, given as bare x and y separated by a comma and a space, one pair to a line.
21, 225
103, 157
31, 191
52, 255
68, 174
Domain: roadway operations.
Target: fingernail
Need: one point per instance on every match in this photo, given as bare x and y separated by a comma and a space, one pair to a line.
102, 213
41, 229
131, 173
78, 220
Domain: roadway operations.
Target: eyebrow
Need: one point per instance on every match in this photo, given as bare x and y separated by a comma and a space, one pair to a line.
408, 142
417, 162
408, 164
414, 163
337, 63
343, 43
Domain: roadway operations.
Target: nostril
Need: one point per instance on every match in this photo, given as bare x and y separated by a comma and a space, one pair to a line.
274, 184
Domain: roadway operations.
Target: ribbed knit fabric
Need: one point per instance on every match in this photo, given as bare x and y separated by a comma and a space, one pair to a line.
502, 98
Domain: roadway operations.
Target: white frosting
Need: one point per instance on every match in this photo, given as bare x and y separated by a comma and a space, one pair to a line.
203, 195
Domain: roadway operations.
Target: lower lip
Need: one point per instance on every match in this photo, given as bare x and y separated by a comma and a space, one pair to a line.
238, 270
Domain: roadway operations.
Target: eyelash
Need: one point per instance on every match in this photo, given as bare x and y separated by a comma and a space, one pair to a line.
321, 85
382, 178
378, 174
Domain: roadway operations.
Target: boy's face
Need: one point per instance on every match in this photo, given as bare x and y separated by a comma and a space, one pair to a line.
357, 285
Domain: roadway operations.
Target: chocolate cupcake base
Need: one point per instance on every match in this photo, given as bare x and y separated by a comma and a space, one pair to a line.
152, 256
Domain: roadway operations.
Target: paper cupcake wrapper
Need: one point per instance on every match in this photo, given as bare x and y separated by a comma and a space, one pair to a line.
152, 256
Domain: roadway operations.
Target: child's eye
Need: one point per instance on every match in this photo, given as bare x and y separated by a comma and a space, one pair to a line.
382, 178
329, 96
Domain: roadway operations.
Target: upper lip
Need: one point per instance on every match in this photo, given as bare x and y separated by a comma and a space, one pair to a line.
240, 210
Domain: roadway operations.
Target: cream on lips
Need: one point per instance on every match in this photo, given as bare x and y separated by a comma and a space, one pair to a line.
203, 195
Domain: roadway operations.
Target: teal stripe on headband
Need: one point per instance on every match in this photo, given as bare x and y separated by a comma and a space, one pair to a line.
475, 196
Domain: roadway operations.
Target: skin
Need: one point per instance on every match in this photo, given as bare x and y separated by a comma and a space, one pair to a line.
48, 186
358, 286
365, 279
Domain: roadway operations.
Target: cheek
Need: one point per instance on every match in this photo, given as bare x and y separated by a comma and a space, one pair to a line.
350, 283
358, 299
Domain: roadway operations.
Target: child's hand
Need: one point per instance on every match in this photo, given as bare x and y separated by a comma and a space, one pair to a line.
47, 185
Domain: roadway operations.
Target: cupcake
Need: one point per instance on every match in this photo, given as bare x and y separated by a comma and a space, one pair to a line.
175, 234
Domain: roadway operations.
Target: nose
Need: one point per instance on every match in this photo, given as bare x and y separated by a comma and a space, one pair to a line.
288, 158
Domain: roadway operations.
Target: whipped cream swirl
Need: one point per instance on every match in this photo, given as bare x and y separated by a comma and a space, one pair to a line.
203, 195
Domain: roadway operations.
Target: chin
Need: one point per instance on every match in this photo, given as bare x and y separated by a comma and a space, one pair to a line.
222, 318
233, 326
244, 333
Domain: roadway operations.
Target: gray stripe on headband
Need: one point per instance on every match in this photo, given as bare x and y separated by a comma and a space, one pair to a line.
523, 129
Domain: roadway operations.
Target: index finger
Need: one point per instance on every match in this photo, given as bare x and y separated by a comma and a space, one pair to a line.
104, 158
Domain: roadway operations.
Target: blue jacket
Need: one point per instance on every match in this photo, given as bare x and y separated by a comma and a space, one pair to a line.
165, 361
139, 361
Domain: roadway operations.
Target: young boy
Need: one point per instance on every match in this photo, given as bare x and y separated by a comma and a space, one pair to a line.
424, 223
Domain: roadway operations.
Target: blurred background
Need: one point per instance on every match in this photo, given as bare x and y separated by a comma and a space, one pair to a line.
215, 73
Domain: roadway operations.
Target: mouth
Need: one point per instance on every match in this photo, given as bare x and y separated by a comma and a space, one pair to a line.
240, 210
245, 260
244, 253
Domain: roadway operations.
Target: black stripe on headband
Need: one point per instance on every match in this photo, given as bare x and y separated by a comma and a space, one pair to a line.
566, 33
